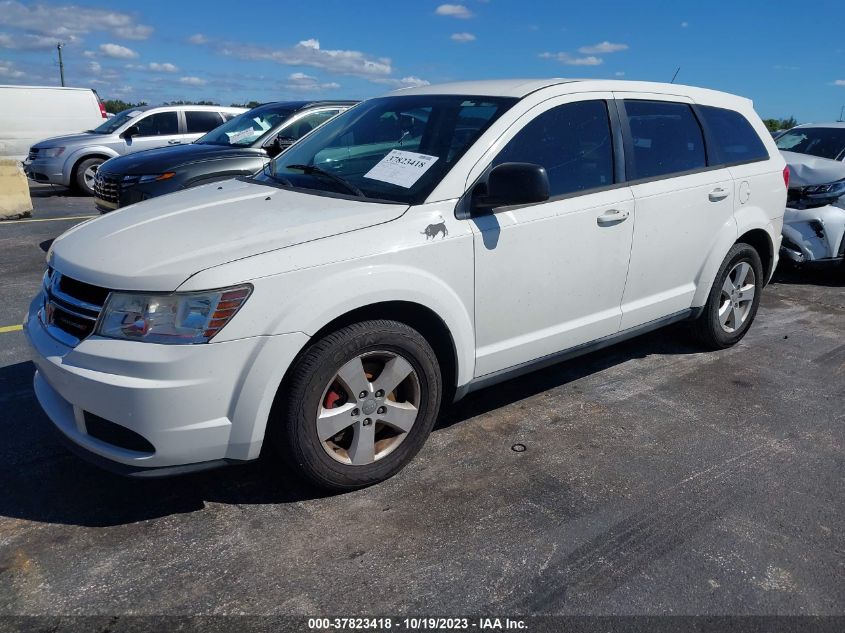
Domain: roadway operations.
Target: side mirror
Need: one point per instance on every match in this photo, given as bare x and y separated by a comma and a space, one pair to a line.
514, 183
131, 131
279, 144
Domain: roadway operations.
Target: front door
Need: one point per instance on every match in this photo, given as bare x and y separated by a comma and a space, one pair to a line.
550, 276
159, 129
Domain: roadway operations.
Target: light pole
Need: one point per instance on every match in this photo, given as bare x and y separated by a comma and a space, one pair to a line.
61, 64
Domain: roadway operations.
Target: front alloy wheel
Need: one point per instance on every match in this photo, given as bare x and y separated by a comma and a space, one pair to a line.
357, 405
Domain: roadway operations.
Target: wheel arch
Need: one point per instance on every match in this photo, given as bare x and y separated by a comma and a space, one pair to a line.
83, 157
760, 241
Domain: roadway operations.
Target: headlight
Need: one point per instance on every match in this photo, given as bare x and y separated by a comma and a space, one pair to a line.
832, 188
128, 181
52, 152
178, 318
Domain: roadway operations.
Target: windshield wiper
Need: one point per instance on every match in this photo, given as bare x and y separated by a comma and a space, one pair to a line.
313, 169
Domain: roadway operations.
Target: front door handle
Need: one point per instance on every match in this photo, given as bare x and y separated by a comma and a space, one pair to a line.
718, 194
613, 216
174, 142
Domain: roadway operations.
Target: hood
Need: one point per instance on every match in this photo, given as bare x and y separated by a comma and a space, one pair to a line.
807, 170
157, 244
154, 161
83, 138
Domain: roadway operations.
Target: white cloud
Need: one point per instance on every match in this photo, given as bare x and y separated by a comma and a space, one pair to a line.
310, 53
619, 73
463, 37
8, 70
89, 54
306, 83
569, 60
839, 82
117, 51
404, 82
192, 81
684, 25
67, 22
30, 42
603, 47
95, 67
166, 67
454, 11
198, 39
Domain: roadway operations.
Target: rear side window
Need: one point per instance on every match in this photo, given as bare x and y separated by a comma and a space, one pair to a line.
666, 138
734, 139
199, 122
572, 141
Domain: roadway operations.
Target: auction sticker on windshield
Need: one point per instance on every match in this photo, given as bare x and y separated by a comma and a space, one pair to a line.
401, 168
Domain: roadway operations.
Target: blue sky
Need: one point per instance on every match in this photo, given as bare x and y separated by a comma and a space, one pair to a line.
789, 59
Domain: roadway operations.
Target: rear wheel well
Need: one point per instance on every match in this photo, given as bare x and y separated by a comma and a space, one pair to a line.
422, 319
760, 241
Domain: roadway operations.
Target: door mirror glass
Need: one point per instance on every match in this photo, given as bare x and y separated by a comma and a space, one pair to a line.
514, 183
131, 131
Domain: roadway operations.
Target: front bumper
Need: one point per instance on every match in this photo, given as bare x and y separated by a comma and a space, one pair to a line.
46, 170
814, 236
197, 405
124, 195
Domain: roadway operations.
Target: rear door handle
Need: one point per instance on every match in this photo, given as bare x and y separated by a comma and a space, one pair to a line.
613, 216
718, 194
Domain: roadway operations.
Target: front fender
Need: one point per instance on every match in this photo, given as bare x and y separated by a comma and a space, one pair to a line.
83, 152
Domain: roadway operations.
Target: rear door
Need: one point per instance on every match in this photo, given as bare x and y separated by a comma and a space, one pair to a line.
198, 123
682, 204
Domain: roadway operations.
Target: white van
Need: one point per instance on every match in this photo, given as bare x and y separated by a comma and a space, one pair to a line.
31, 113
413, 249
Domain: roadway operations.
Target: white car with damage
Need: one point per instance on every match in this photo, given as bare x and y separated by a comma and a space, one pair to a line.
420, 246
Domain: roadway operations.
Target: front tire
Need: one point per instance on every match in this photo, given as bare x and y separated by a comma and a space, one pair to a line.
359, 404
85, 174
733, 300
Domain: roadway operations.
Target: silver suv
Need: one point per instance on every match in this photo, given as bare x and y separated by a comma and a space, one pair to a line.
72, 160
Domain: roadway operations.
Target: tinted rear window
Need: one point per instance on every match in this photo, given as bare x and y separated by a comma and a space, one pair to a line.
734, 139
667, 138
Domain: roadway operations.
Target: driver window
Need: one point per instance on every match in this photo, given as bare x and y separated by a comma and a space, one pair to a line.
159, 124
573, 143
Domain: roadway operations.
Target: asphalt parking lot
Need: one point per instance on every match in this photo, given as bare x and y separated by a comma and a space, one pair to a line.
656, 479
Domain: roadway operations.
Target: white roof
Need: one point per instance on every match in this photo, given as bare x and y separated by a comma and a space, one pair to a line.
523, 87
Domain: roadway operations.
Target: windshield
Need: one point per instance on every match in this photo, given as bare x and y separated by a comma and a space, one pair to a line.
393, 148
245, 129
113, 124
824, 142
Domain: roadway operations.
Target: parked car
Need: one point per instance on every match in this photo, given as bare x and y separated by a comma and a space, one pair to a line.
825, 140
72, 160
31, 113
239, 147
420, 246
814, 221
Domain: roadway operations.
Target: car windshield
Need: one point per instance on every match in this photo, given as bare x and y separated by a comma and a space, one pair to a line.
824, 142
394, 148
113, 124
247, 128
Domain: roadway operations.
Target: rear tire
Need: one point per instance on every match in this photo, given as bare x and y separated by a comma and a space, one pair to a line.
83, 179
343, 423
733, 300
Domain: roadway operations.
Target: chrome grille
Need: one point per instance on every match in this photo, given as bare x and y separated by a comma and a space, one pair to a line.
71, 308
107, 186
33, 153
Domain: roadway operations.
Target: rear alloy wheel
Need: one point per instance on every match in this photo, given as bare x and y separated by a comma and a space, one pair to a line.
360, 404
733, 300
86, 173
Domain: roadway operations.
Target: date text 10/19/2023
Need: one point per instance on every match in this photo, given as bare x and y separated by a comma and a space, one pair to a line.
416, 624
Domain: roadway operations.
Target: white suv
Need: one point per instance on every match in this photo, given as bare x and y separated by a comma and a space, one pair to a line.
420, 246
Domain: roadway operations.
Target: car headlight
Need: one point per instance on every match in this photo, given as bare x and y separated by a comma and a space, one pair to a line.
177, 318
52, 152
832, 188
128, 181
